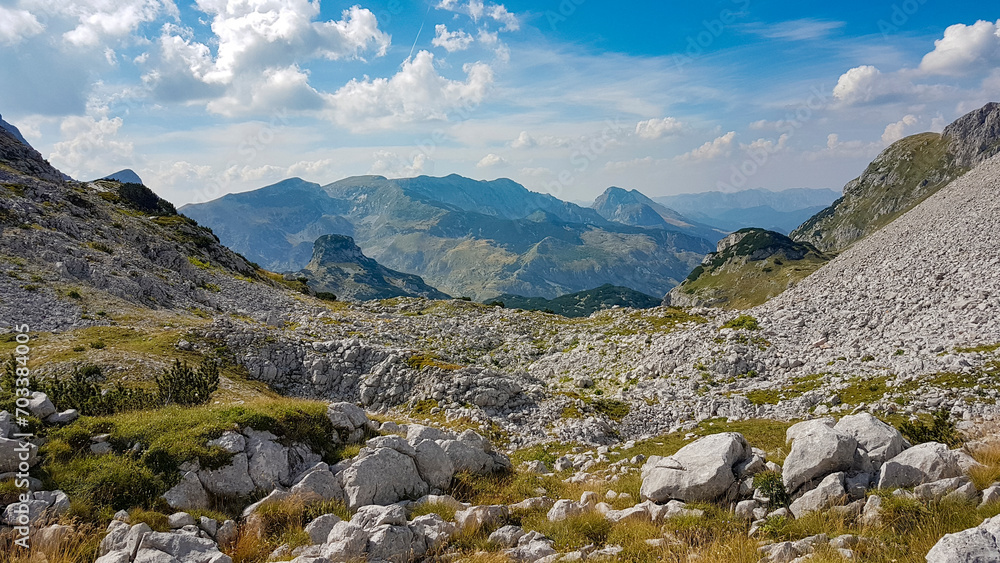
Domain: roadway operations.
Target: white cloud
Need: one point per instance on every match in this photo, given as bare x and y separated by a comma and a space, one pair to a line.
311, 167
835, 148
476, 10
91, 146
526, 141
523, 141
390, 165
17, 25
255, 35
492, 161
416, 93
100, 19
451, 41
964, 48
286, 88
256, 65
857, 85
713, 149
766, 146
765, 125
656, 128
895, 131
501, 15
487, 37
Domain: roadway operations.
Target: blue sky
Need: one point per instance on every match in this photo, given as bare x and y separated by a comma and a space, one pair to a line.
207, 97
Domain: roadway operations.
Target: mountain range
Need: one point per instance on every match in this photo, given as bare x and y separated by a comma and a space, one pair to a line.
780, 211
465, 237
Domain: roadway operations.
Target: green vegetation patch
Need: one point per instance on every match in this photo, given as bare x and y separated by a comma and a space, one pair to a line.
149, 446
742, 322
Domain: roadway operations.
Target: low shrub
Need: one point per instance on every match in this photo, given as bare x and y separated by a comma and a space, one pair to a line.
941, 429
742, 322
182, 385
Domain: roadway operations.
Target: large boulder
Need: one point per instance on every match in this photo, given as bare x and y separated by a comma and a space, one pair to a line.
232, 480
382, 476
920, 464
880, 440
183, 547
319, 484
817, 450
268, 460
975, 545
349, 421
188, 494
11, 452
829, 492
433, 463
40, 405
700, 471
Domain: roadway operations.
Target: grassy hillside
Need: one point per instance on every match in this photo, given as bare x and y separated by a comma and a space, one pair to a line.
759, 266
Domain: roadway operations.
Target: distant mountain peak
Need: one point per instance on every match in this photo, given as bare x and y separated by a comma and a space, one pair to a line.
126, 176
339, 266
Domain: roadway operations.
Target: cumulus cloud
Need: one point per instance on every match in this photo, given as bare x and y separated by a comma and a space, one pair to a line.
451, 41
721, 146
492, 161
391, 165
526, 141
260, 46
964, 48
895, 131
656, 128
416, 93
766, 146
90, 146
286, 88
98, 20
17, 25
857, 85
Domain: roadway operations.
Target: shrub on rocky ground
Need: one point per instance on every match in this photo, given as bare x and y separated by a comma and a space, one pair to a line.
941, 429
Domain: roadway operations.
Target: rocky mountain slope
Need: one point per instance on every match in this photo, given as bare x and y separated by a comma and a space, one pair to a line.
748, 267
779, 211
339, 267
630, 433
582, 303
476, 239
906, 173
631, 207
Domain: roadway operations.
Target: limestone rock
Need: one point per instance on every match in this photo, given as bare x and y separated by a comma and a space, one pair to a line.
700, 471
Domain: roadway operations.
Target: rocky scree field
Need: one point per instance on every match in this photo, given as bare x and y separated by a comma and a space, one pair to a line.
638, 435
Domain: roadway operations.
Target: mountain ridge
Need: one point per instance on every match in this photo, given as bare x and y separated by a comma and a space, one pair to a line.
526, 243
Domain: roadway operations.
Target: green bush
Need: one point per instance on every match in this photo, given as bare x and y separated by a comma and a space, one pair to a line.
81, 391
941, 429
326, 296
614, 409
771, 485
742, 322
182, 385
